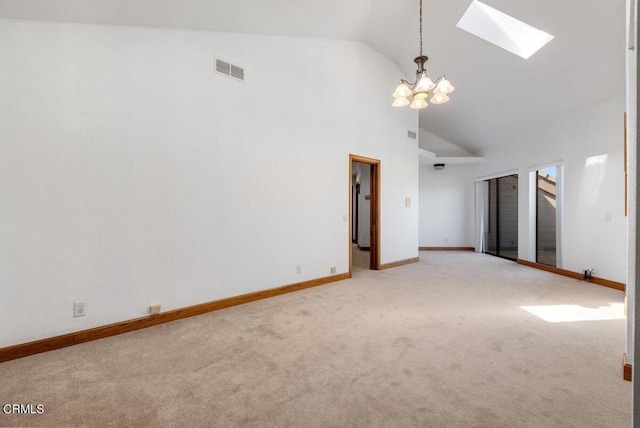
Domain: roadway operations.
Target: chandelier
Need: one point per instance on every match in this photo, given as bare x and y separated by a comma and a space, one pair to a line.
421, 89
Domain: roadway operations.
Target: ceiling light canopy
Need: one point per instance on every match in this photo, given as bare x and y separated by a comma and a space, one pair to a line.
503, 30
423, 87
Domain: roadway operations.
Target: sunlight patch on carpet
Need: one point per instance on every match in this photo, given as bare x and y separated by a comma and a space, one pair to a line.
572, 313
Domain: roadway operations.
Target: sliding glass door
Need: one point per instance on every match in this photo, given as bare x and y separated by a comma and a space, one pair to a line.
501, 227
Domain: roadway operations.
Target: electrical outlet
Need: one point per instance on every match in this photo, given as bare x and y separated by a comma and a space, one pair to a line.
298, 269
333, 269
155, 309
79, 309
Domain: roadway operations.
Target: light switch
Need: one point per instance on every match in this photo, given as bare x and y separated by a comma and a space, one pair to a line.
407, 202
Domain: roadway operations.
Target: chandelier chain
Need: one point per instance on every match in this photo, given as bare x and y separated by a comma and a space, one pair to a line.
420, 27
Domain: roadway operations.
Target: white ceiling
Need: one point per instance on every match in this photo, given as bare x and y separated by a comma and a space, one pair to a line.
498, 94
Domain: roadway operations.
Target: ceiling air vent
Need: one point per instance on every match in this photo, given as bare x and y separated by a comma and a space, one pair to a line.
229, 69
411, 135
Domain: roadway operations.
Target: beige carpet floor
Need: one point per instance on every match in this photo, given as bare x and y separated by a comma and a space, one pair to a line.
440, 343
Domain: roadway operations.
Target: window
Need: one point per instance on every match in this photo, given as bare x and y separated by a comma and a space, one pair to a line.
546, 215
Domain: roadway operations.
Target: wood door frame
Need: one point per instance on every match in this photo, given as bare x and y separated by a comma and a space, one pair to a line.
375, 210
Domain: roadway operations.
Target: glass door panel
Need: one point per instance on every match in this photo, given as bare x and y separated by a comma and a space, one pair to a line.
501, 237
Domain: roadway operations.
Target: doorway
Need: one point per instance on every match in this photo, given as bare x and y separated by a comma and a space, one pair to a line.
364, 212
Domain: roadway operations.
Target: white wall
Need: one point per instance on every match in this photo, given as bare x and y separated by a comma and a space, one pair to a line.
633, 238
447, 206
132, 174
590, 144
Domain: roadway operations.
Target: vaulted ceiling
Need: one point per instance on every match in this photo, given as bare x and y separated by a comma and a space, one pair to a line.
498, 94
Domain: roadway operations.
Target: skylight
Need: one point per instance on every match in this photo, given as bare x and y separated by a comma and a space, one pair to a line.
503, 30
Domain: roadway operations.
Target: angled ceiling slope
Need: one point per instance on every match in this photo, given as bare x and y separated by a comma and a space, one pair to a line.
331, 19
498, 95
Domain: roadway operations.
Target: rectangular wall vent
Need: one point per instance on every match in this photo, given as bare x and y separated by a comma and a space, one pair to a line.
412, 135
229, 69
237, 72
223, 67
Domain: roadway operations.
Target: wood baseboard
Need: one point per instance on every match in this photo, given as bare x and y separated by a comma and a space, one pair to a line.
399, 263
57, 342
626, 372
627, 369
595, 280
446, 248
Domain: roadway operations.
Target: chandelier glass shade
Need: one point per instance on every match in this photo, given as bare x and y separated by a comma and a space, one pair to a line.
423, 87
